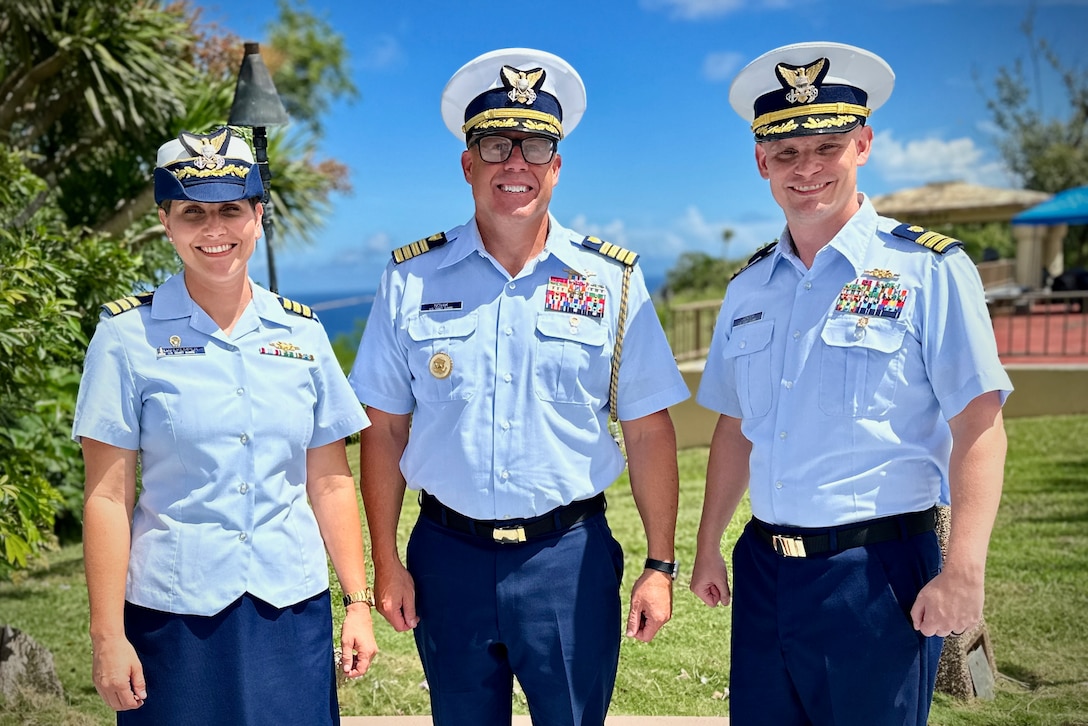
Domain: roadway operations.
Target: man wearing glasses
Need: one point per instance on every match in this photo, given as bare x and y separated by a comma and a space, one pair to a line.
491, 365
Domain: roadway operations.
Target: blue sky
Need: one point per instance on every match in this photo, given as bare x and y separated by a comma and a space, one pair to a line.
660, 162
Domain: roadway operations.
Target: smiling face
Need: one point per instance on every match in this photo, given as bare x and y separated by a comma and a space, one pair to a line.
814, 178
513, 189
213, 240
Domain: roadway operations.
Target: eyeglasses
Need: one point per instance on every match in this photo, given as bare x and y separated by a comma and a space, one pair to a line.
534, 149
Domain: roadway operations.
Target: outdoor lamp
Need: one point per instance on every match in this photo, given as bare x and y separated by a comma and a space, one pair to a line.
257, 105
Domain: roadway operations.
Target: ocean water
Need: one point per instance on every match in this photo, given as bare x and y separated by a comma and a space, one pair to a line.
340, 312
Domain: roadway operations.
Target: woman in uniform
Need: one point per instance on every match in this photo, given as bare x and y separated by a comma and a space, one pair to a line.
212, 415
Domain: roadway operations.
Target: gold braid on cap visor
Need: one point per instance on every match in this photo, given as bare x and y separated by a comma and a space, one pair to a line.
809, 110
510, 118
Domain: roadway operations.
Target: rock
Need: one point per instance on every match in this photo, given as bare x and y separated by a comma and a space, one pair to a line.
25, 663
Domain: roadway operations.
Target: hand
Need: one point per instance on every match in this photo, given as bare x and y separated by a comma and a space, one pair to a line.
118, 674
948, 604
357, 645
395, 596
651, 605
710, 579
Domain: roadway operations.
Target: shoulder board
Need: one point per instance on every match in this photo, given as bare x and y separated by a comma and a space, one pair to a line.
295, 307
418, 247
608, 249
939, 243
762, 252
116, 307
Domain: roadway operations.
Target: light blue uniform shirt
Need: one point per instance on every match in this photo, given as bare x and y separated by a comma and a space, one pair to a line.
519, 424
222, 424
847, 408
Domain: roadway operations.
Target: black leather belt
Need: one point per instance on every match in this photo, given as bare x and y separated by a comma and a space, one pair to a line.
794, 542
497, 530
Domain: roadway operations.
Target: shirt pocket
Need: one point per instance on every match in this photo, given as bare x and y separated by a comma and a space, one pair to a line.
440, 357
748, 350
571, 364
861, 365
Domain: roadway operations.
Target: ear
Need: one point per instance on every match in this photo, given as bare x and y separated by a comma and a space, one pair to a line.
864, 141
466, 165
164, 220
258, 208
557, 163
761, 161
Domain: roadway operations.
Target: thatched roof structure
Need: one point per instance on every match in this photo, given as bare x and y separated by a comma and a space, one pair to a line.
956, 203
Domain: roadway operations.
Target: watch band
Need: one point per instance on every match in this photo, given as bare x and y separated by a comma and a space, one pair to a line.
365, 595
669, 568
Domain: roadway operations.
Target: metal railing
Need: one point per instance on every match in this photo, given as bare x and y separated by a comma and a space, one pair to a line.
1026, 326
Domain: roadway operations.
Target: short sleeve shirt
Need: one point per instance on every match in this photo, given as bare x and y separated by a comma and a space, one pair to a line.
507, 378
222, 423
845, 374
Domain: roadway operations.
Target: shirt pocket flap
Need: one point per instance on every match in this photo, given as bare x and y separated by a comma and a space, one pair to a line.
576, 328
424, 327
748, 339
885, 336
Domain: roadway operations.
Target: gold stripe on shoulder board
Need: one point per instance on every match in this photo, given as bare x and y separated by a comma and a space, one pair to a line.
295, 307
939, 243
419, 247
608, 249
130, 302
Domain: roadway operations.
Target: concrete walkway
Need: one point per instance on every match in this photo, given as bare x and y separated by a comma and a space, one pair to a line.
524, 721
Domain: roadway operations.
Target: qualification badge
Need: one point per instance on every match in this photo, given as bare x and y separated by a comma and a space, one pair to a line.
441, 365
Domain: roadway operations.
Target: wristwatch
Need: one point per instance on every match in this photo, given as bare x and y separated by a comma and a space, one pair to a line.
669, 568
366, 596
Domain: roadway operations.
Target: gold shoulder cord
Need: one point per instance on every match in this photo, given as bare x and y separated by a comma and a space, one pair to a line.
617, 349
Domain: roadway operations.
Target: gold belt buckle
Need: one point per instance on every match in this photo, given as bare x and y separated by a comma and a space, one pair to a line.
788, 546
508, 535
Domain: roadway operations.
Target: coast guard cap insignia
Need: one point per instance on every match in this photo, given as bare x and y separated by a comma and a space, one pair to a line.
522, 85
802, 80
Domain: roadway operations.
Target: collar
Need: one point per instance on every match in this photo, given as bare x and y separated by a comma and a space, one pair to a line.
464, 240
853, 241
172, 301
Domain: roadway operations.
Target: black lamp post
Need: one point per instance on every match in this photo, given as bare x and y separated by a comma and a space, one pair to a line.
257, 105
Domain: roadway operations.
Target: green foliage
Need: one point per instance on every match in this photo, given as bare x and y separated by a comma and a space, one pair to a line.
1048, 154
346, 345
979, 237
47, 274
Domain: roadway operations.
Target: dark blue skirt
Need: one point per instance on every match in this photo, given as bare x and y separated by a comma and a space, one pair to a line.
251, 663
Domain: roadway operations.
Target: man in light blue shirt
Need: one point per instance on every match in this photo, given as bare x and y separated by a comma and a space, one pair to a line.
856, 373
507, 342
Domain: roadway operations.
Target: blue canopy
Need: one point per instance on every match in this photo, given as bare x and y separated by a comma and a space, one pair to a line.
1068, 207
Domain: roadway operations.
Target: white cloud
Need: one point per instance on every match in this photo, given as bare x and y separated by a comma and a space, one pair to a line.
694, 9
934, 159
718, 67
380, 52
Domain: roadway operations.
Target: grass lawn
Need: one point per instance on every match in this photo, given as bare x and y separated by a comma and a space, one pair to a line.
1037, 597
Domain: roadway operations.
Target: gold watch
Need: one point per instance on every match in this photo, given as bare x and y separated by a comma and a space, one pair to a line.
365, 595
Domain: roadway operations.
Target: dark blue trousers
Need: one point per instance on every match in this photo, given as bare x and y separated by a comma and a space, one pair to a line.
249, 665
545, 611
828, 640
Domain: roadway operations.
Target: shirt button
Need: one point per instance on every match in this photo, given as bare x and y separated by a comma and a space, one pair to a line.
508, 378
778, 485
787, 384
743, 344
240, 391
509, 331
244, 488
505, 425
242, 537
808, 285
782, 435
505, 474
243, 438
796, 334
513, 286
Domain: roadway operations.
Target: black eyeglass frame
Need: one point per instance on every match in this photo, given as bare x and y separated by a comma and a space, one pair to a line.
516, 143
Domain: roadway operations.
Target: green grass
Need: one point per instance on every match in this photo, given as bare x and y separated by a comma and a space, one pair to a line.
1037, 599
